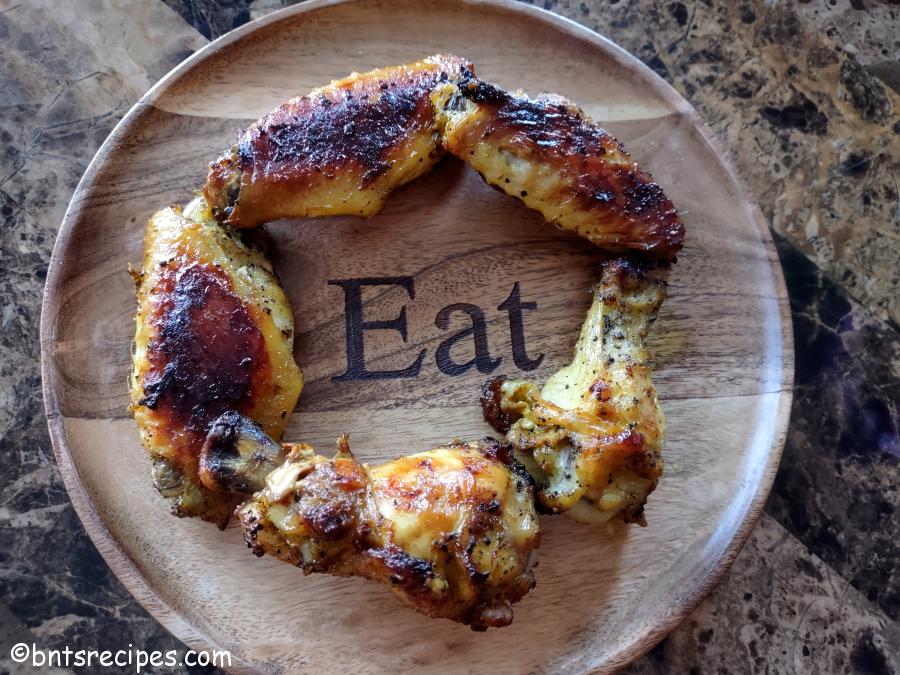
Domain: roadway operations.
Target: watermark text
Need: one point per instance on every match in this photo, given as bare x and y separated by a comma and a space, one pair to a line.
132, 658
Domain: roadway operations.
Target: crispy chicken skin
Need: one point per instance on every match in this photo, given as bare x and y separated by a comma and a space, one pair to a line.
214, 333
550, 155
452, 531
592, 437
340, 150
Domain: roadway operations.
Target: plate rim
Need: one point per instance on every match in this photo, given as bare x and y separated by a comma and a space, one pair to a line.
128, 571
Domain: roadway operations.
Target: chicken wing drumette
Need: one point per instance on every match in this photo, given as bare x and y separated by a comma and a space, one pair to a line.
548, 154
340, 150
592, 437
452, 531
214, 333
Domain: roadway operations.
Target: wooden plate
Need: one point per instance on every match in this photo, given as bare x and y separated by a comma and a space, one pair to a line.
722, 345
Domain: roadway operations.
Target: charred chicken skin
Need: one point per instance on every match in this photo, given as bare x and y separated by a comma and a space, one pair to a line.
214, 332
592, 437
551, 156
451, 531
340, 150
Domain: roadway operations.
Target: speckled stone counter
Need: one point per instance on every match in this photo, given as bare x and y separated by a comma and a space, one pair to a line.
805, 99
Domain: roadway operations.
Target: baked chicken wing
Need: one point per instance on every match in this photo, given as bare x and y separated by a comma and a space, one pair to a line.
592, 437
340, 150
550, 155
452, 531
214, 333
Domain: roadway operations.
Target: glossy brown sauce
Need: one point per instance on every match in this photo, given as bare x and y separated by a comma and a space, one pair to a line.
207, 353
600, 173
326, 131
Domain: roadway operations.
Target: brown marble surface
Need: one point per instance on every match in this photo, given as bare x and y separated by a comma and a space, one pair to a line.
804, 98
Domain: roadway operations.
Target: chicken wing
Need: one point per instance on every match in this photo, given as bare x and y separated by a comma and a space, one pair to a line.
214, 333
452, 531
340, 150
552, 157
592, 437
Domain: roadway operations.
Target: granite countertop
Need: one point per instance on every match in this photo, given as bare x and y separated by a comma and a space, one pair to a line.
804, 96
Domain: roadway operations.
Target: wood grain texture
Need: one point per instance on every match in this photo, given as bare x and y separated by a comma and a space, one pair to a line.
722, 346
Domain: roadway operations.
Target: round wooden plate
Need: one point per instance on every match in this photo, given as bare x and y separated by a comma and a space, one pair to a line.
722, 345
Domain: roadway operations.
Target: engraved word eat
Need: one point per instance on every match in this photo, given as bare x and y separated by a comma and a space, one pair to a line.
357, 325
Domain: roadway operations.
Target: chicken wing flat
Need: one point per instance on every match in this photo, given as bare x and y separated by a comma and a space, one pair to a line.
550, 155
214, 333
340, 150
452, 531
593, 436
